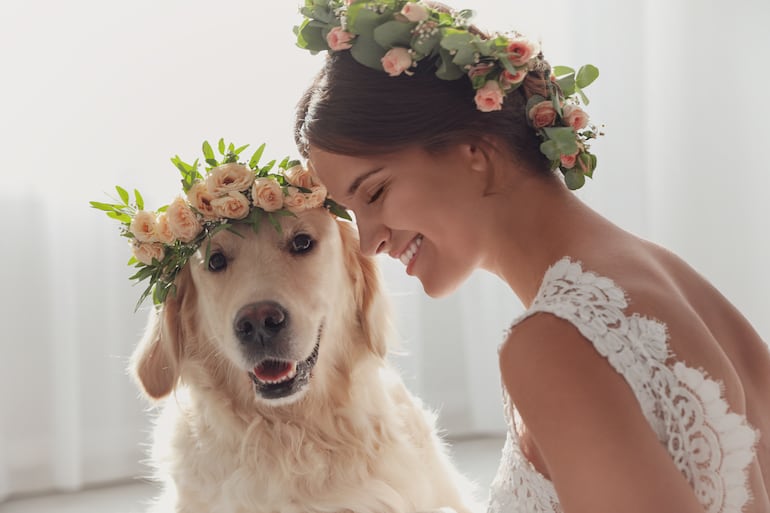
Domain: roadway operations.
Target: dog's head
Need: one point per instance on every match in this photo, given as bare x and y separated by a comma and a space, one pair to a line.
272, 314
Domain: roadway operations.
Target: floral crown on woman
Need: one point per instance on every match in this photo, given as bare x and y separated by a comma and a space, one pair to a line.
394, 35
230, 193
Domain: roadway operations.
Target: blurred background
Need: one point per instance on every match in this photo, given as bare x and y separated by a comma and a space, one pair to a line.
98, 93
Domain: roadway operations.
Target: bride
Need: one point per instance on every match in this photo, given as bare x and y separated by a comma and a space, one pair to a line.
630, 383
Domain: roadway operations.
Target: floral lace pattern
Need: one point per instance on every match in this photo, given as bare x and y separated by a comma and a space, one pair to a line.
710, 445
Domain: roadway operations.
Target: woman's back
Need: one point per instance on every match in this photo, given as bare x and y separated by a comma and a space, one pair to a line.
704, 331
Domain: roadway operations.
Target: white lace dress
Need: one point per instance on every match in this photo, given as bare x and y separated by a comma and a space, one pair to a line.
710, 445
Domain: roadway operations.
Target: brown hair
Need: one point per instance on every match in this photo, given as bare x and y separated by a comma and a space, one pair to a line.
351, 109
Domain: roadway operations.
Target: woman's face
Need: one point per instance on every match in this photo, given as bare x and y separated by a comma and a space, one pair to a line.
416, 206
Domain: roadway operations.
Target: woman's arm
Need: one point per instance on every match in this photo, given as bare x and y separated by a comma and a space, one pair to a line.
598, 449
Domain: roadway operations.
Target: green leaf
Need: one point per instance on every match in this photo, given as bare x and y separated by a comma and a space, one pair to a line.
562, 70
254, 162
453, 39
123, 218
394, 33
550, 150
103, 206
362, 20
310, 37
574, 179
465, 56
448, 70
567, 84
564, 138
267, 167
274, 221
221, 146
139, 200
586, 75
208, 153
366, 51
240, 149
425, 45
123, 194
336, 209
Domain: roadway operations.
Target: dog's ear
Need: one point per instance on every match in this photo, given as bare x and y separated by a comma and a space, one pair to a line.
157, 358
371, 305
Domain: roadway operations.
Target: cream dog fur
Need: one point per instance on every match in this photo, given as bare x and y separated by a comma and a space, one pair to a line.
269, 365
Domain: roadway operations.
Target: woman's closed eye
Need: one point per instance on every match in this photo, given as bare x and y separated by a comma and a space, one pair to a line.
374, 197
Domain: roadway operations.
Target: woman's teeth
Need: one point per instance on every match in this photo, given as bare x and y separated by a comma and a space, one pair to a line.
410, 251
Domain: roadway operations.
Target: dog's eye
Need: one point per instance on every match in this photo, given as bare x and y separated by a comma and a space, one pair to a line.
217, 262
301, 243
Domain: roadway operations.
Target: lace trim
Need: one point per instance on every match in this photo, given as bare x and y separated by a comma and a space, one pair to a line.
711, 446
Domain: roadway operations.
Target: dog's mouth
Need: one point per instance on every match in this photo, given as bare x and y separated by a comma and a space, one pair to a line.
278, 379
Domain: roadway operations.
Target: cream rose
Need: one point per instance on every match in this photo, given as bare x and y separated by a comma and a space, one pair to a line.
266, 194
295, 200
396, 61
163, 231
301, 177
521, 50
233, 206
316, 197
339, 39
575, 116
568, 161
143, 226
542, 114
200, 198
146, 252
229, 177
415, 12
182, 220
489, 97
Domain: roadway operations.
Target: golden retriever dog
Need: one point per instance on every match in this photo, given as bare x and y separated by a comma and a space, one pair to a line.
270, 366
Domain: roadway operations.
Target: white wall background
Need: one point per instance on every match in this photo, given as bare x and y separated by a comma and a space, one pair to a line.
96, 93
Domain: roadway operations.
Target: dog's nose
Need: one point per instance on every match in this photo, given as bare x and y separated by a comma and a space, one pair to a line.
259, 322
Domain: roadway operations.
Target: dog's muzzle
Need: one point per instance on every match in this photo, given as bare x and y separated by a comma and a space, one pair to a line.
262, 330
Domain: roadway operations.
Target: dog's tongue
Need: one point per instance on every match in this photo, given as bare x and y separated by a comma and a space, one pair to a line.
273, 370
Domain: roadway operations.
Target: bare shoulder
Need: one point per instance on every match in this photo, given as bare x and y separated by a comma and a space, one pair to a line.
581, 415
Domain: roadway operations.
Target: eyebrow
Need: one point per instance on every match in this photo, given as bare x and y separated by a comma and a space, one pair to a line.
358, 181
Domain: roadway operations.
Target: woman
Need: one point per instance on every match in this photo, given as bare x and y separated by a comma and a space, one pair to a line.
630, 383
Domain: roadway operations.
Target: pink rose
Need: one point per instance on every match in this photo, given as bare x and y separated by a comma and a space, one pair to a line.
182, 220
301, 177
229, 177
568, 161
415, 12
521, 50
295, 200
163, 230
396, 61
233, 206
143, 226
575, 116
509, 79
338, 39
542, 114
480, 69
145, 253
489, 97
200, 199
266, 194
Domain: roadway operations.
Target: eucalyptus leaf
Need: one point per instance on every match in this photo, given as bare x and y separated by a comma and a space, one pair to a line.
447, 69
550, 149
394, 33
560, 71
465, 56
362, 20
311, 38
425, 45
567, 84
366, 51
586, 75
574, 179
564, 139
454, 39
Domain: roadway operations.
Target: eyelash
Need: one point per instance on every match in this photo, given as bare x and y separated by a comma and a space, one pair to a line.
376, 195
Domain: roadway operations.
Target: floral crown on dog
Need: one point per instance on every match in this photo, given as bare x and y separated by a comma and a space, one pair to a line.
230, 193
394, 35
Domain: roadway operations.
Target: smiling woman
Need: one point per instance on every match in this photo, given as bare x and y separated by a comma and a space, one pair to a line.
98, 93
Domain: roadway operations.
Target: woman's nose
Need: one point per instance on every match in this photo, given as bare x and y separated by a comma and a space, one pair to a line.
375, 238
